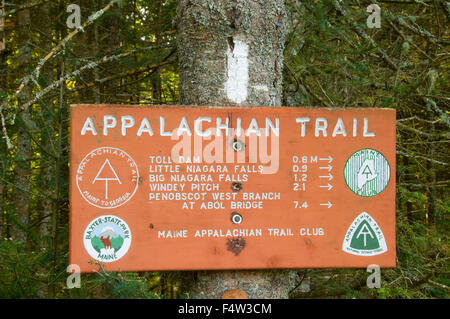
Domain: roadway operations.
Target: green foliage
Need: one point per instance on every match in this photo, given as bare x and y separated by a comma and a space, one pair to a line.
127, 285
25, 274
113, 285
332, 59
141, 34
21, 271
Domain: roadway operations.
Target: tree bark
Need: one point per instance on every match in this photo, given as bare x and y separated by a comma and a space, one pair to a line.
22, 169
2, 27
47, 134
3, 52
231, 53
3, 83
112, 44
431, 167
2, 197
155, 79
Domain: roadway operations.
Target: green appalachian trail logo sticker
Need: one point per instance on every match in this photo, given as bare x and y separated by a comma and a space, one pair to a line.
107, 238
364, 237
367, 172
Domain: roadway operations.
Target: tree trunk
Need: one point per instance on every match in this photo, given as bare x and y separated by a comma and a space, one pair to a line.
231, 53
2, 27
47, 134
405, 179
97, 86
3, 52
22, 169
431, 167
112, 44
3, 82
2, 197
155, 79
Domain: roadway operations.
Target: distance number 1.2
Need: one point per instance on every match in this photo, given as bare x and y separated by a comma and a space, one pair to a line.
300, 178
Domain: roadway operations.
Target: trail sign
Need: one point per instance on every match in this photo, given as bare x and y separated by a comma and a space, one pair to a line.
190, 188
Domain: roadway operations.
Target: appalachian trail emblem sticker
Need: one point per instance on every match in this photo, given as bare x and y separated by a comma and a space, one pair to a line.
107, 238
364, 237
367, 172
107, 177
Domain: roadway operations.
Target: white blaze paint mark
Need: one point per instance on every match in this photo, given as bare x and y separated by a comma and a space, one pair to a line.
237, 82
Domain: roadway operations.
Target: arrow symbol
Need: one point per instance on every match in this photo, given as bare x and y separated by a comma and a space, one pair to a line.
329, 186
329, 167
329, 159
329, 204
329, 176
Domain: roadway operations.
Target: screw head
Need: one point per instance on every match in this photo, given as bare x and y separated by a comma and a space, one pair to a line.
236, 218
236, 186
238, 146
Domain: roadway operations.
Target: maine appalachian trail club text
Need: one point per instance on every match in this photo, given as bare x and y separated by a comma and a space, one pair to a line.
320, 126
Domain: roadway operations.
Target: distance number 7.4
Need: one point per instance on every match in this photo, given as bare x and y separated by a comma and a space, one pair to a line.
297, 204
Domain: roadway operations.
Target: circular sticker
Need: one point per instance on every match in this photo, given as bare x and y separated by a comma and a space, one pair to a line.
107, 177
367, 172
107, 238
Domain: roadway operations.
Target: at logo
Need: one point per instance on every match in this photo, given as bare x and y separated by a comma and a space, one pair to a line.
367, 172
364, 237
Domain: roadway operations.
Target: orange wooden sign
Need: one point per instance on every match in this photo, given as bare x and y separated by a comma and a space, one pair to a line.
190, 188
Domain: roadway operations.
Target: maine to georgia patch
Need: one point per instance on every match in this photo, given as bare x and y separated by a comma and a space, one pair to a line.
107, 238
107, 177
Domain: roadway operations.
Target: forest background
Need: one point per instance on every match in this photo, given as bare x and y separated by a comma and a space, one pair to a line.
125, 53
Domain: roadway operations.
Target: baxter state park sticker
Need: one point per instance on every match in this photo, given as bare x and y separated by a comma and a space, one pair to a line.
364, 237
107, 238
